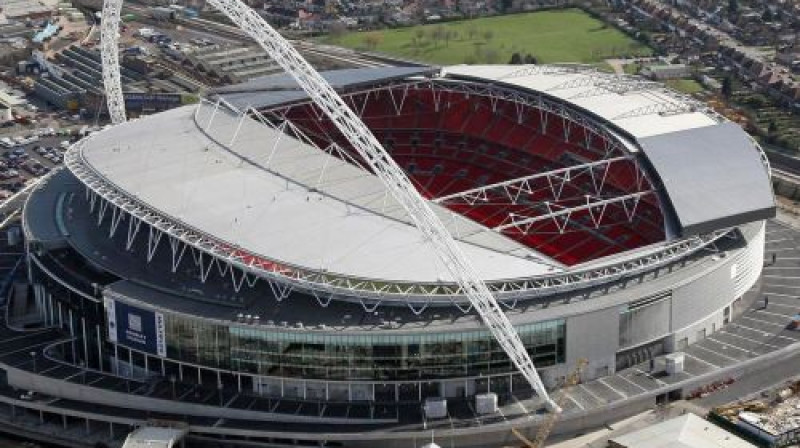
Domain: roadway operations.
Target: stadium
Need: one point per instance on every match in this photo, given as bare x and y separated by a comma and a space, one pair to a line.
249, 271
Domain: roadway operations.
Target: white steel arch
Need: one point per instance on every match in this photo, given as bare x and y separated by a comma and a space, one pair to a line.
367, 146
109, 54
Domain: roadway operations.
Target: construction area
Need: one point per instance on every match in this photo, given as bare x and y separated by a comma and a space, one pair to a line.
770, 419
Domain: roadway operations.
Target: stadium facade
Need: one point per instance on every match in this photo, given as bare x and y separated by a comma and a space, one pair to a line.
239, 245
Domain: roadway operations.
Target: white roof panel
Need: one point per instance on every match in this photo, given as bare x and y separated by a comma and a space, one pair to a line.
612, 97
285, 201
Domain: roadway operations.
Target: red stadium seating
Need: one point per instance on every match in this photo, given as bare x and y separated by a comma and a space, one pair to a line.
449, 142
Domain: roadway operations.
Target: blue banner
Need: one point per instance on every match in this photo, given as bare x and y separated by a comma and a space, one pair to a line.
136, 328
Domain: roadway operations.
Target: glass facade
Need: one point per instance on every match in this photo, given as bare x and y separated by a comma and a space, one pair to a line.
304, 354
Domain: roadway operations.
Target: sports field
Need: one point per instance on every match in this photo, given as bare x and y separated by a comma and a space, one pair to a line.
568, 35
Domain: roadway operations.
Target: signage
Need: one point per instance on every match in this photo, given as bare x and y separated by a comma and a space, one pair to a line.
136, 328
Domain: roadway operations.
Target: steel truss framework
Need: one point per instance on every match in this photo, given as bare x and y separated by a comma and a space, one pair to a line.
604, 83
525, 101
370, 292
514, 191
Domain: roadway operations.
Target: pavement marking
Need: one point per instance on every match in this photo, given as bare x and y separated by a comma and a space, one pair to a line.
778, 240
763, 321
623, 396
15, 338
648, 375
42, 372
723, 331
763, 311
28, 348
782, 249
728, 344
521, 406
792, 307
569, 397
74, 375
794, 268
595, 396
640, 387
780, 285
780, 294
702, 360
764, 333
697, 345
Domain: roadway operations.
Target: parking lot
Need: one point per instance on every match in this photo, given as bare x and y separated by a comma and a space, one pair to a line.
25, 157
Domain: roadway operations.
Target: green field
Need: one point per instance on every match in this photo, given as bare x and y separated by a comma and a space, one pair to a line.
685, 85
550, 36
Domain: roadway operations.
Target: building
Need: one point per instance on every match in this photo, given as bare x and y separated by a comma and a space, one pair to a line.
686, 431
235, 261
231, 64
669, 71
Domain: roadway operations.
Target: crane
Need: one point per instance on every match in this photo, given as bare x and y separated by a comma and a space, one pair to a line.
549, 422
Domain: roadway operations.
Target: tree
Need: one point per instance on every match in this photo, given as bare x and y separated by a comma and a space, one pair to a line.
530, 59
772, 131
733, 7
516, 59
727, 87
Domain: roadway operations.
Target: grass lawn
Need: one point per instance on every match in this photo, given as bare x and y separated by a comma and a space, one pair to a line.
632, 69
689, 86
551, 36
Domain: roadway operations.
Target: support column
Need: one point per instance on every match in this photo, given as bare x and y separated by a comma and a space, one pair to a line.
99, 348
85, 343
116, 359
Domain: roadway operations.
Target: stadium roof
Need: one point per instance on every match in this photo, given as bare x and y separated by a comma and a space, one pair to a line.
710, 169
286, 201
723, 187
723, 183
267, 91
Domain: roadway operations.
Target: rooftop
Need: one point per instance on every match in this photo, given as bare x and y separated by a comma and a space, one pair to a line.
686, 431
